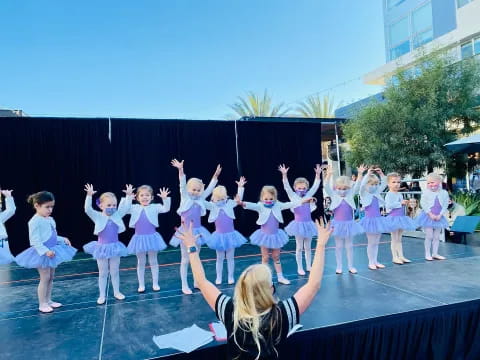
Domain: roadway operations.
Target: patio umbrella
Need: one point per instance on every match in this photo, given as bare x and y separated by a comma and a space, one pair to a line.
468, 144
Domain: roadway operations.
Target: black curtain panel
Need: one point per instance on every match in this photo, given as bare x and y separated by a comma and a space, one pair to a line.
61, 155
58, 155
263, 145
142, 151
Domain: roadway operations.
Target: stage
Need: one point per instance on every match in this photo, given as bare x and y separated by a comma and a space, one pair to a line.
372, 308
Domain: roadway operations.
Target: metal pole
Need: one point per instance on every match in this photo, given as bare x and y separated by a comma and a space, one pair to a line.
338, 150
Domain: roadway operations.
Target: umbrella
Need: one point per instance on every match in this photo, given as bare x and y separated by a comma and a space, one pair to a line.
468, 144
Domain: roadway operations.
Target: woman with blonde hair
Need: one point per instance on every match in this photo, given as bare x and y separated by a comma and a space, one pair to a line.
257, 323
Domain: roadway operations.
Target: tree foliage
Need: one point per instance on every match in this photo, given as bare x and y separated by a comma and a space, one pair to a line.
316, 107
257, 105
425, 107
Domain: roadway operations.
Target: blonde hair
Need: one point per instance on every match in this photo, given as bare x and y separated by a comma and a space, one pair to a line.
219, 192
372, 179
343, 181
106, 195
269, 189
145, 188
301, 180
392, 175
252, 299
435, 177
195, 181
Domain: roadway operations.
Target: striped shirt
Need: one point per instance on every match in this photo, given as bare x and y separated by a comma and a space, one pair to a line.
281, 319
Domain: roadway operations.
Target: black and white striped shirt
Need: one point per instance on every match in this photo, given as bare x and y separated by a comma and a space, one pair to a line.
274, 327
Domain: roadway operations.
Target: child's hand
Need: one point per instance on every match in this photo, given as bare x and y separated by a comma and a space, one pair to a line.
241, 182
318, 170
379, 171
129, 190
370, 171
283, 169
438, 217
329, 171
217, 172
361, 169
177, 164
187, 236
89, 189
404, 202
68, 242
50, 254
6, 193
323, 232
164, 192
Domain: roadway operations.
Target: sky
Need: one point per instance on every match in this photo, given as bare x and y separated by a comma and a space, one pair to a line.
185, 59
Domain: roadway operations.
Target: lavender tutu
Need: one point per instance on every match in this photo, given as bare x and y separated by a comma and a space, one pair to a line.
305, 229
270, 241
6, 256
226, 241
423, 220
204, 236
375, 225
30, 258
401, 223
105, 251
144, 243
348, 228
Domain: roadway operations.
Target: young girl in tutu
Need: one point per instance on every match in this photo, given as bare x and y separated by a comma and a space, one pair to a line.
144, 219
47, 250
192, 208
302, 227
108, 249
269, 236
6, 256
343, 224
225, 238
434, 202
397, 221
373, 223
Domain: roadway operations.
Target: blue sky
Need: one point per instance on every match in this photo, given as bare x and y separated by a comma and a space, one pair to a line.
179, 58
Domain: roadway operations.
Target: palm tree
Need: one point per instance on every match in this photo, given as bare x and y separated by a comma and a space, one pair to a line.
255, 105
316, 107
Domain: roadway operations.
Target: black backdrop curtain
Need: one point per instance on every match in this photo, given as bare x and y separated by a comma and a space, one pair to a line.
62, 154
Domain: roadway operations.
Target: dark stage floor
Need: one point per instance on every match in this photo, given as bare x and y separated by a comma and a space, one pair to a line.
124, 329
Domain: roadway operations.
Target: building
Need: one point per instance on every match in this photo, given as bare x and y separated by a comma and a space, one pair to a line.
11, 113
416, 27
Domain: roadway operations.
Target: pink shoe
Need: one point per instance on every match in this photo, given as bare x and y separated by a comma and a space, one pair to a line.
46, 309
54, 304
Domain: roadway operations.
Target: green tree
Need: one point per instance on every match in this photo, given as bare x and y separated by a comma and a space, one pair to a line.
425, 107
255, 105
316, 107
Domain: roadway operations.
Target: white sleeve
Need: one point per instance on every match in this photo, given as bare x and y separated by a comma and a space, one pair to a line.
288, 188
252, 206
240, 192
165, 207
125, 206
92, 214
329, 187
289, 205
314, 188
9, 209
35, 238
210, 187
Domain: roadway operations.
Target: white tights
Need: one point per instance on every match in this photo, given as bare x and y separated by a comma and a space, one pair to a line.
104, 265
45, 286
153, 262
303, 243
432, 240
340, 242
221, 255
185, 261
396, 245
372, 248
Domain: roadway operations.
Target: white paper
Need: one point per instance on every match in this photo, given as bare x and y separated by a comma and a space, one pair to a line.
185, 340
219, 330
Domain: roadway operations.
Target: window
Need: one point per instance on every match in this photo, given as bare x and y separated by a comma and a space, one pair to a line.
422, 25
476, 46
399, 32
466, 50
470, 48
461, 3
